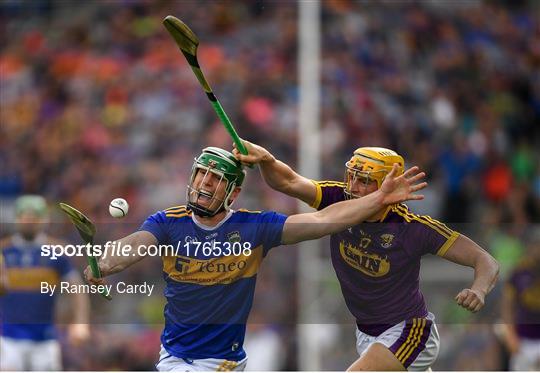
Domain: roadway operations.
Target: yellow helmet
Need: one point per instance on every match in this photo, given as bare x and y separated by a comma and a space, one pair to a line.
371, 163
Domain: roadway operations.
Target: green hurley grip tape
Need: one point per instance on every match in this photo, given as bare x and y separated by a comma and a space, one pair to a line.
229, 127
92, 262
94, 266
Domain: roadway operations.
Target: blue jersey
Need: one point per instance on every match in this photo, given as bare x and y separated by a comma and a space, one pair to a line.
211, 278
25, 312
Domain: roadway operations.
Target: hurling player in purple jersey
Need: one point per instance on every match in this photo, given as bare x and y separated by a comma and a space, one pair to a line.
209, 296
521, 310
377, 262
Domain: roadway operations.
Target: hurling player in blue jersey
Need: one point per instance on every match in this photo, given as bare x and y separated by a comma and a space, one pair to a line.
211, 279
378, 265
28, 338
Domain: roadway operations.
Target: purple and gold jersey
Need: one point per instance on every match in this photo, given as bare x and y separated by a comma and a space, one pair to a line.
210, 291
524, 282
378, 264
25, 312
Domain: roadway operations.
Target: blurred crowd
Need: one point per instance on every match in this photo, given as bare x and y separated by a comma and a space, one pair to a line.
97, 102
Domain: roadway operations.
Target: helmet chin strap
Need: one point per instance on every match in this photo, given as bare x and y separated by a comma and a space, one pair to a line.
202, 212
205, 212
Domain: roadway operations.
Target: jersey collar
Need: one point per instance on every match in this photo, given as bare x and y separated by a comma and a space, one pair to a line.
20, 241
388, 209
208, 228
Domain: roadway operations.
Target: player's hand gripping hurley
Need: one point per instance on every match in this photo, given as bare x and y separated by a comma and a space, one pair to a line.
188, 42
86, 230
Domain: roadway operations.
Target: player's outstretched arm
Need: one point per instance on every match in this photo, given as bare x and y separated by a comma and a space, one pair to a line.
111, 262
340, 216
277, 174
466, 252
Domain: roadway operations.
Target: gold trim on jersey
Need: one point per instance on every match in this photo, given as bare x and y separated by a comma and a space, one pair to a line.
388, 209
331, 183
179, 215
173, 211
318, 195
436, 225
318, 190
30, 278
439, 224
448, 244
213, 271
177, 212
250, 211
174, 208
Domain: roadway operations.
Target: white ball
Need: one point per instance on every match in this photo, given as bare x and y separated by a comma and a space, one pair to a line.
118, 208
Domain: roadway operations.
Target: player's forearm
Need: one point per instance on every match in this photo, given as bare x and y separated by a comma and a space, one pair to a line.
276, 174
486, 272
132, 251
333, 219
284, 179
340, 216
113, 263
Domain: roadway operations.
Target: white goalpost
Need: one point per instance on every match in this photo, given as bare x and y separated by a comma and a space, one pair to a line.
309, 165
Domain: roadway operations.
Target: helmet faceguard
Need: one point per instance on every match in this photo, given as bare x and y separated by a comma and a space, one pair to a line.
226, 168
370, 164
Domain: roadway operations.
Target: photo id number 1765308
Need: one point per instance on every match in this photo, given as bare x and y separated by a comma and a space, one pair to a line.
216, 248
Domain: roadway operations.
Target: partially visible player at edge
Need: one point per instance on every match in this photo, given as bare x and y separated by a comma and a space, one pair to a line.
521, 309
28, 336
378, 265
3, 277
209, 296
